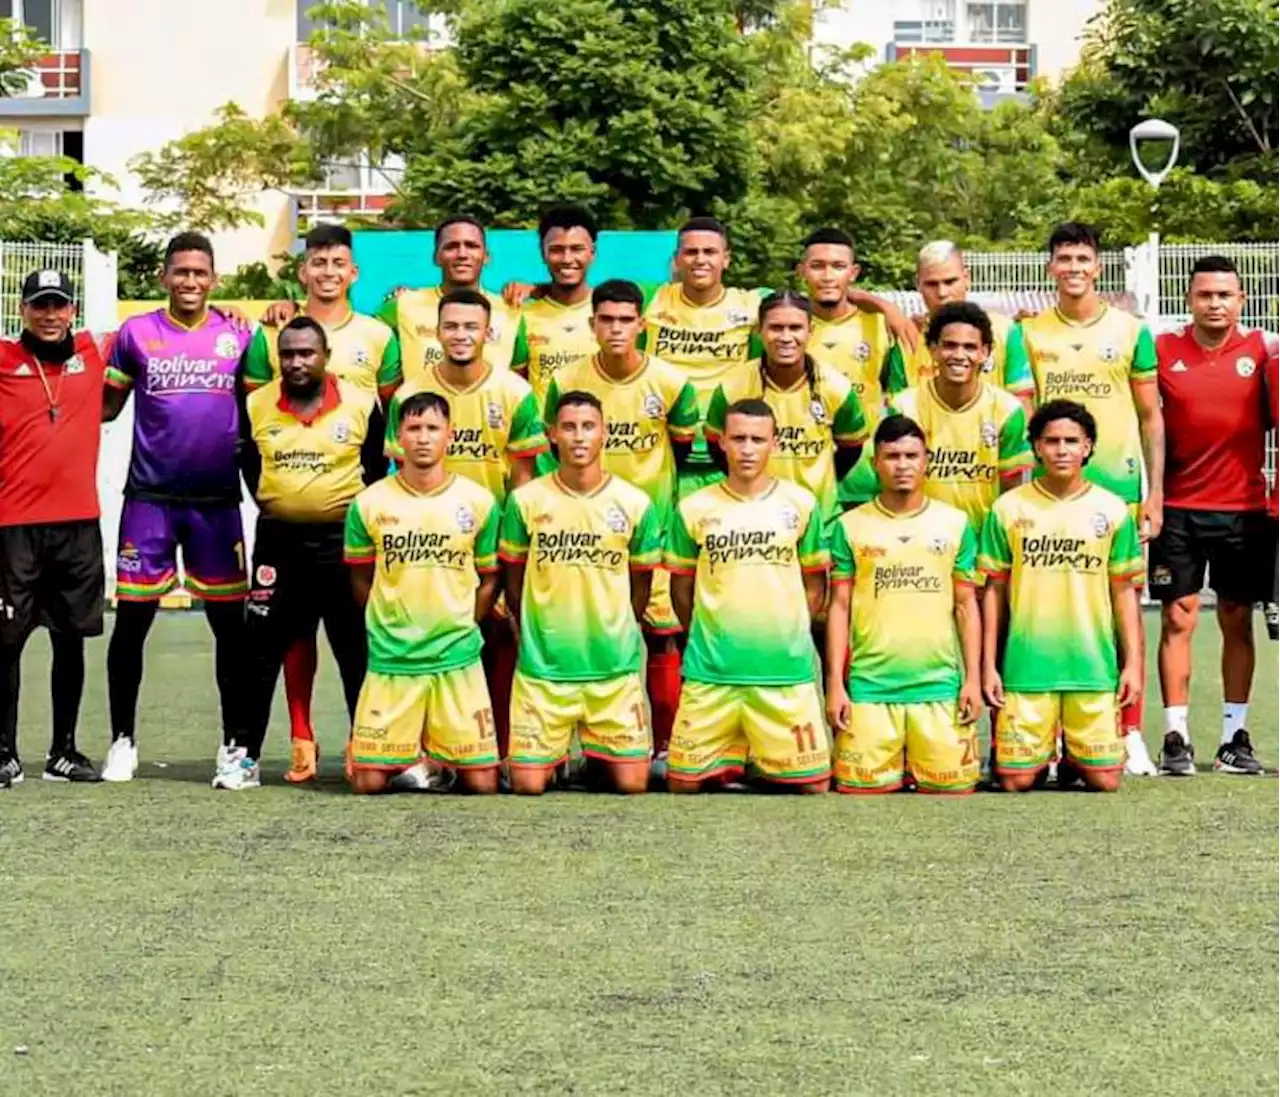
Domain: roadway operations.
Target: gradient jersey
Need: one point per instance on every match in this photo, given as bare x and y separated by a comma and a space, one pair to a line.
971, 449
1006, 366
1095, 364
904, 569
643, 416
552, 337
1059, 558
812, 419
186, 419
577, 623
429, 550
750, 615
860, 347
414, 315
495, 421
362, 352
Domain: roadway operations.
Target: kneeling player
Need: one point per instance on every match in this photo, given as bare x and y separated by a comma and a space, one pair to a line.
748, 573
578, 548
1061, 557
905, 563
422, 548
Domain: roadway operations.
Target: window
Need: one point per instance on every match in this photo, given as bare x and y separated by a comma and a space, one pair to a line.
40, 143
924, 21
403, 17
42, 16
996, 21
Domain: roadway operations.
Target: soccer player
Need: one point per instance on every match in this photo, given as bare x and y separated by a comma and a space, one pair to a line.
183, 490
820, 425
363, 352
903, 569
422, 548
555, 328
461, 253
497, 434
976, 431
855, 341
578, 546
1214, 402
51, 403
1104, 359
309, 445
748, 574
651, 415
942, 278
1062, 563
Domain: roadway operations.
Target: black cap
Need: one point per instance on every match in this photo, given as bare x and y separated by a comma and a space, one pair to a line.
46, 283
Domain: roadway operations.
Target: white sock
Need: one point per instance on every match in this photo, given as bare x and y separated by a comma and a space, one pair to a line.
1235, 714
1175, 719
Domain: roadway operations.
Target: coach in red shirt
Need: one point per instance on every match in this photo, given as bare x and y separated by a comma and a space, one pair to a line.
1210, 374
51, 394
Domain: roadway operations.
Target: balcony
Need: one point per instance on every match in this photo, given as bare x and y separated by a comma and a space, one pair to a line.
313, 208
57, 86
998, 71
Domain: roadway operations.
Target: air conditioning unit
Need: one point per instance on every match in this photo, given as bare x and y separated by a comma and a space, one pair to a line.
32, 87
996, 79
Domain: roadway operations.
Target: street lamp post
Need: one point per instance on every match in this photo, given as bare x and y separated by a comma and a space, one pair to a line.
1152, 132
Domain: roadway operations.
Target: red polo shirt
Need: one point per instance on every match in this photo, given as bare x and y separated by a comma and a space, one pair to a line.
49, 462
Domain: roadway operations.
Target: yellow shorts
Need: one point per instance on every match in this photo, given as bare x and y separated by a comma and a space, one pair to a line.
781, 728
884, 741
611, 718
1027, 730
448, 715
659, 615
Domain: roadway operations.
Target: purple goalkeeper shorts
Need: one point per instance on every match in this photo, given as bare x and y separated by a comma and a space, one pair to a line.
212, 540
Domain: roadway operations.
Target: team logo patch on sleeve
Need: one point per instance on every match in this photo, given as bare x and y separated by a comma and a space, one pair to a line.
226, 346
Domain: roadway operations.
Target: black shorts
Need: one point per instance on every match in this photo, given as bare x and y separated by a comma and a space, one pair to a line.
1233, 544
51, 574
298, 575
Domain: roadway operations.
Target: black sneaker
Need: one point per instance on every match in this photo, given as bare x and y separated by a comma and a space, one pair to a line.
1237, 756
11, 772
1177, 757
70, 765
1271, 611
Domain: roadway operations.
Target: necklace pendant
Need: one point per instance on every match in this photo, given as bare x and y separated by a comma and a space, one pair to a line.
54, 413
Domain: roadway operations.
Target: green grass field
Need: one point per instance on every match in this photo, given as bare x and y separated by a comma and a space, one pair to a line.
160, 938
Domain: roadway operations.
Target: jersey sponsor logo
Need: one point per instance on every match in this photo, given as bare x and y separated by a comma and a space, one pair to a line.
906, 579
958, 464
1161, 576
753, 546
386, 519
549, 363
419, 548
629, 437
300, 460
1245, 366
182, 373
226, 346
1065, 384
470, 444
687, 343
341, 431
575, 548
1053, 553
128, 559
466, 520
265, 575
796, 442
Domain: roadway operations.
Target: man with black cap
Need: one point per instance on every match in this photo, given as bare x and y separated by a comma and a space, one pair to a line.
51, 394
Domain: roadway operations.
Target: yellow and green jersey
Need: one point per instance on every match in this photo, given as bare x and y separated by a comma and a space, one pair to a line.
414, 315
552, 336
362, 352
430, 549
643, 415
971, 449
813, 418
1059, 558
750, 616
577, 623
860, 347
1095, 364
708, 342
494, 421
1006, 366
904, 569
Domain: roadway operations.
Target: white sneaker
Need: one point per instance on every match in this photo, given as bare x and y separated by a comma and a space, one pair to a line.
1137, 761
423, 777
236, 770
122, 760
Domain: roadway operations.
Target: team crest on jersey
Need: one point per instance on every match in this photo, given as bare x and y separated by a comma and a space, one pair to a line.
862, 352
817, 411
74, 365
465, 519
341, 431
265, 575
494, 416
424, 331
790, 516
493, 334
1245, 366
989, 363
226, 346
360, 356
1024, 525
653, 407
1101, 524
1109, 353
385, 520
616, 520
939, 546
988, 433
738, 317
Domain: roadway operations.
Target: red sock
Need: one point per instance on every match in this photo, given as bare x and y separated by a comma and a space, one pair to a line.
499, 670
663, 682
1131, 716
299, 679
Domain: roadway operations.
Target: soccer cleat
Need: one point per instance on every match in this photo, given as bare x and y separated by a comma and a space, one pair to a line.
1177, 757
424, 777
70, 766
304, 760
1137, 760
1237, 756
122, 760
11, 772
236, 770
1271, 611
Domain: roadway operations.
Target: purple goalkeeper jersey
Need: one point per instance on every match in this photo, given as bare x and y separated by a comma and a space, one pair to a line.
186, 417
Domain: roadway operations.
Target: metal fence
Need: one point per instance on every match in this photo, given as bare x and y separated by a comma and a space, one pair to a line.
92, 274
